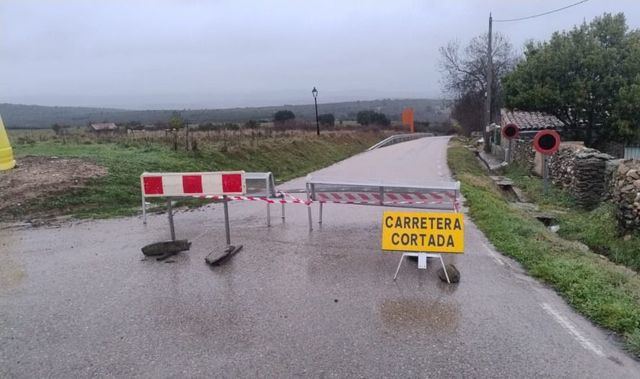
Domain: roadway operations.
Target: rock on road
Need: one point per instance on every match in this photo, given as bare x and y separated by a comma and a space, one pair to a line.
79, 300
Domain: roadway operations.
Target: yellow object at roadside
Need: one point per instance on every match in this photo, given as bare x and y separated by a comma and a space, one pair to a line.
6, 153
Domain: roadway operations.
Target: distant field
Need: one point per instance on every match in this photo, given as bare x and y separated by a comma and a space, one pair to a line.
35, 116
288, 154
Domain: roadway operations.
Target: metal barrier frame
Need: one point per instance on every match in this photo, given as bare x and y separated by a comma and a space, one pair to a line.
270, 193
366, 187
381, 190
270, 190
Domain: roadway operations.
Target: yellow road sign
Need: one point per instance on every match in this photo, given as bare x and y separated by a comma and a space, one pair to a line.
423, 232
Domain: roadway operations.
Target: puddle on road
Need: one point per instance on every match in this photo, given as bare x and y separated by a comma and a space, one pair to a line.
12, 272
433, 315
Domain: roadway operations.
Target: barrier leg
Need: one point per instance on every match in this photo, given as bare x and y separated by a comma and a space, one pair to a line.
320, 217
309, 197
282, 212
144, 211
422, 261
444, 269
398, 269
268, 214
227, 232
170, 213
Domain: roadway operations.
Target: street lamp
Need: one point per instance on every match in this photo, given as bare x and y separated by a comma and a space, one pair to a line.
314, 92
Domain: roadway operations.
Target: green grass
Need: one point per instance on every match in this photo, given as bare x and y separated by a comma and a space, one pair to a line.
604, 292
595, 228
118, 193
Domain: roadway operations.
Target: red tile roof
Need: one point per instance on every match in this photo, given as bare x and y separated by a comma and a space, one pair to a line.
529, 120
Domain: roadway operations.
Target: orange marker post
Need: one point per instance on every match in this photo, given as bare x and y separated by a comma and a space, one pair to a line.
407, 119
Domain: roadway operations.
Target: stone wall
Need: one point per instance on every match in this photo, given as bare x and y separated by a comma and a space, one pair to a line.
626, 194
562, 164
582, 171
523, 153
591, 177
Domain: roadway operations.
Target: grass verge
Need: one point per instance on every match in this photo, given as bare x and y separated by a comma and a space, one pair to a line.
606, 293
595, 228
118, 193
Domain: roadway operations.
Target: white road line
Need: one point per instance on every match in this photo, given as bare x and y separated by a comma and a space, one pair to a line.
493, 255
568, 325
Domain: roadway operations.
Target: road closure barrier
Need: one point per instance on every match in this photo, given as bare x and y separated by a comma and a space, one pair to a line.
172, 185
222, 186
416, 233
433, 196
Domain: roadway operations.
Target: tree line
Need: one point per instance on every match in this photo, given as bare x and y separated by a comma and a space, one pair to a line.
366, 117
588, 77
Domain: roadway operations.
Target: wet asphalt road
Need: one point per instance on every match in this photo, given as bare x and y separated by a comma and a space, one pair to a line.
79, 300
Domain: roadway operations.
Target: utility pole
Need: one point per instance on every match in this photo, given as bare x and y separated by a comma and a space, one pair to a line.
487, 116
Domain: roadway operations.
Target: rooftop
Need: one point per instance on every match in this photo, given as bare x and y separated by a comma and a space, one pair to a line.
104, 126
529, 120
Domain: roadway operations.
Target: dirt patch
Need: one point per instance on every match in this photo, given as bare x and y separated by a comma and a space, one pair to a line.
41, 177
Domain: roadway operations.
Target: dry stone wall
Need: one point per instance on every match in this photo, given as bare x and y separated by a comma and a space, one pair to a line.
523, 153
583, 172
591, 177
626, 194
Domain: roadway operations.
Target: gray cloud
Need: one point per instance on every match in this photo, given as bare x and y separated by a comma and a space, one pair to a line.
186, 54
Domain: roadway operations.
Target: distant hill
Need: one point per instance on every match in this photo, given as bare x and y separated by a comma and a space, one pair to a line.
36, 116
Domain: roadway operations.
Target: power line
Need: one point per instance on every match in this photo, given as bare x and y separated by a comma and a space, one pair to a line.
541, 14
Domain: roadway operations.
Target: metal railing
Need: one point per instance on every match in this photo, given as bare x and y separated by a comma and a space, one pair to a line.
441, 196
397, 138
260, 184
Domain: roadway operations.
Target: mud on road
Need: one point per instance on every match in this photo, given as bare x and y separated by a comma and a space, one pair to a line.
42, 177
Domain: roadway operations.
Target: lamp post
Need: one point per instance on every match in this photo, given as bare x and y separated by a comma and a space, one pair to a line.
314, 92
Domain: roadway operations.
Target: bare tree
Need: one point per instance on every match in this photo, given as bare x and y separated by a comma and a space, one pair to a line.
465, 77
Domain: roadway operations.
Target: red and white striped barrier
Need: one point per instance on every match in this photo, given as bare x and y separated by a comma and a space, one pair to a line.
261, 198
193, 184
389, 198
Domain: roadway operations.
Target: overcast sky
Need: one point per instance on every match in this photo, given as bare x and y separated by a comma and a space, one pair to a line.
192, 54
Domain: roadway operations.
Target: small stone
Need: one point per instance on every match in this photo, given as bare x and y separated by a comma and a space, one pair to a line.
627, 188
622, 170
452, 271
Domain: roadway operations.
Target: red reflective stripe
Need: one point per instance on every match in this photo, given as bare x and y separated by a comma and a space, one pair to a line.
231, 183
363, 196
152, 185
391, 196
436, 196
421, 196
192, 184
350, 196
336, 196
406, 196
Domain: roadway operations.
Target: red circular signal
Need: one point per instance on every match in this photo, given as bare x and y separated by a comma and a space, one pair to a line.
546, 142
511, 131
